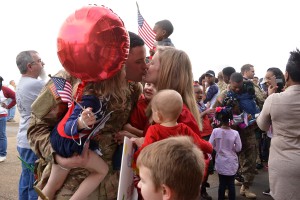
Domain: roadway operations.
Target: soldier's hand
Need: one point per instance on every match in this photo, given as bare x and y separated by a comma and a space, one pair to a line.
74, 161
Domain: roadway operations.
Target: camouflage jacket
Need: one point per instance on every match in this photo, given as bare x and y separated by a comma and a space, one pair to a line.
48, 109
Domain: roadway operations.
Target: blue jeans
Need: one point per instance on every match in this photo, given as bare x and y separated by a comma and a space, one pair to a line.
226, 182
11, 112
26, 191
3, 138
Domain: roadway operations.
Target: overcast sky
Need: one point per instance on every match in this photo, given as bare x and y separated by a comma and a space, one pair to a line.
214, 33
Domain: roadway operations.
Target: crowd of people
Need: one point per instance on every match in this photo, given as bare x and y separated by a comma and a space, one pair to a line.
184, 129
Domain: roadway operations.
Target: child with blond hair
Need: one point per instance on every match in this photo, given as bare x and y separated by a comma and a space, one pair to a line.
163, 163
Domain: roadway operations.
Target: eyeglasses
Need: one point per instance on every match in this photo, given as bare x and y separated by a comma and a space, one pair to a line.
39, 61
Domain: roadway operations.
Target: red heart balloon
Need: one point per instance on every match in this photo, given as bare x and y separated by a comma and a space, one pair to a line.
93, 43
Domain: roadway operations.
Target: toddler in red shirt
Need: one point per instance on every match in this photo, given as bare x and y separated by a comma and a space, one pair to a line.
166, 107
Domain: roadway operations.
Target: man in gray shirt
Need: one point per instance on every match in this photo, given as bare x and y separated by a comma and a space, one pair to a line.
31, 67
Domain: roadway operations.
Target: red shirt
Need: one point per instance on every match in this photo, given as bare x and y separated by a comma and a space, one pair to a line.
158, 132
138, 117
207, 128
187, 118
8, 93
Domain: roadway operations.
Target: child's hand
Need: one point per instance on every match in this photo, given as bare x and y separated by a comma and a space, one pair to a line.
86, 119
138, 141
211, 111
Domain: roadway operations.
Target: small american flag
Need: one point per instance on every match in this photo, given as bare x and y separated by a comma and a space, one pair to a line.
64, 89
145, 31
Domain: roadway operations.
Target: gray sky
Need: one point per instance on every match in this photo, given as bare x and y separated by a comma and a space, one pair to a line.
214, 33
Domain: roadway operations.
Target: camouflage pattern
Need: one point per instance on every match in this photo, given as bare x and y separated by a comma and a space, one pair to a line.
221, 96
46, 115
260, 96
222, 86
247, 156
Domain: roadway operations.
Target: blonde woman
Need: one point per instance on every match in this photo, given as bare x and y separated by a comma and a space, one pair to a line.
171, 68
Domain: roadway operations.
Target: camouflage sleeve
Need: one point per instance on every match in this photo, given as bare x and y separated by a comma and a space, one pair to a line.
136, 89
260, 96
47, 110
220, 98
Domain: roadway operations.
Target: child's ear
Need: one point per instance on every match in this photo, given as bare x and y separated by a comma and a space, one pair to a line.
167, 192
159, 115
164, 33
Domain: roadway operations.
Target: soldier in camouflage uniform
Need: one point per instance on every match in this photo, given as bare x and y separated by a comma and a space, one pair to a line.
226, 73
247, 156
221, 83
248, 72
46, 115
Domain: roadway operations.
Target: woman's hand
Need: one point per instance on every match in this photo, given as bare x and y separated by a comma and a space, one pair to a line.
272, 89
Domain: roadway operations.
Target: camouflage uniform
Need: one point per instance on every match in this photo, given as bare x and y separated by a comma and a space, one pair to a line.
46, 115
260, 96
222, 86
247, 156
260, 99
221, 96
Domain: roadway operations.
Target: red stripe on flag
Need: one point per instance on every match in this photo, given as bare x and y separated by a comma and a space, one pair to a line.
145, 31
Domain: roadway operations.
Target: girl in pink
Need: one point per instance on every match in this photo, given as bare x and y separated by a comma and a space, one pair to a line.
226, 142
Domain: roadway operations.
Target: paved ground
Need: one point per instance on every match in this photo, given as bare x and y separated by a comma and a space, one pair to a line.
10, 172
259, 185
10, 169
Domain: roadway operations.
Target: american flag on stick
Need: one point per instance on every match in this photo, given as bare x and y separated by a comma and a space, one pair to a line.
145, 31
64, 89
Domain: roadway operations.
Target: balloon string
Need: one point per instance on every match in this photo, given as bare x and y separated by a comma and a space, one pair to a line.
79, 93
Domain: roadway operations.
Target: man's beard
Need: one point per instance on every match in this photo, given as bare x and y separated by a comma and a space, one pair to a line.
43, 75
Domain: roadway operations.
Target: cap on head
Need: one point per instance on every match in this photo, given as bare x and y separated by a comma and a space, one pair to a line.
210, 73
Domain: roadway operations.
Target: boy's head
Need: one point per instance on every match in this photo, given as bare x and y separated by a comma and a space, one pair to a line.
198, 91
236, 82
163, 29
227, 71
166, 106
255, 80
210, 77
202, 80
149, 91
171, 169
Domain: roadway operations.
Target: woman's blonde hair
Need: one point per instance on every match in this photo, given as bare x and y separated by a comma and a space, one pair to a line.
115, 88
176, 73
